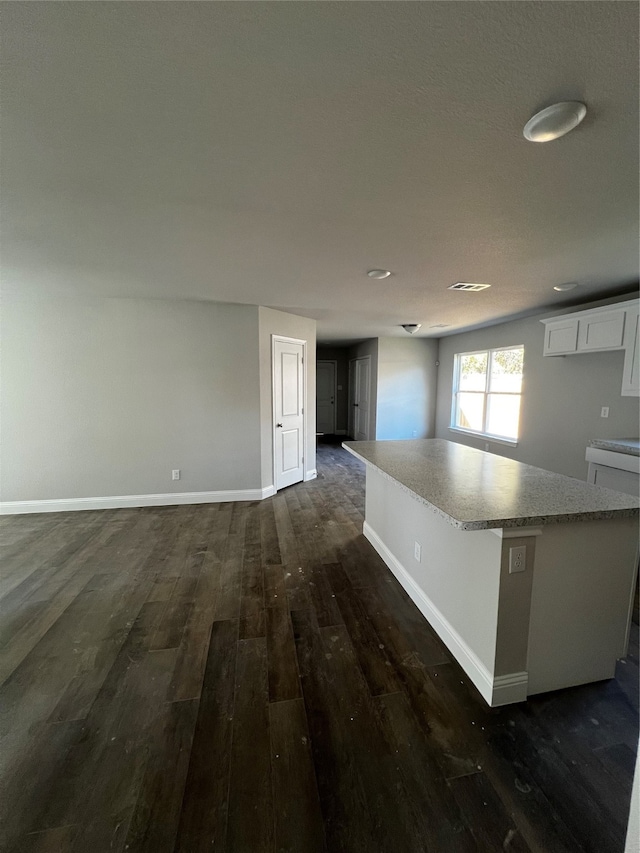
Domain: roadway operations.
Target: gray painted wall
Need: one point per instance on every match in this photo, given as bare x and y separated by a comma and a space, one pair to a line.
561, 401
289, 326
104, 397
364, 348
341, 356
406, 396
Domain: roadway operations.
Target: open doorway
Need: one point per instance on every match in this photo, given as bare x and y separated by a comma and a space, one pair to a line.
332, 390
326, 394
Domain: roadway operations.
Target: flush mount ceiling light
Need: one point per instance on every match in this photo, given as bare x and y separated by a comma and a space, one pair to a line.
412, 328
554, 121
468, 285
378, 273
569, 285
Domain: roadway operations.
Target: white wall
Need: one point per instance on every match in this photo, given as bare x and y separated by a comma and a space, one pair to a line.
561, 398
289, 326
104, 397
406, 390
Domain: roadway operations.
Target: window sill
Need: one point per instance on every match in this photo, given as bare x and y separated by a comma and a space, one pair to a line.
484, 436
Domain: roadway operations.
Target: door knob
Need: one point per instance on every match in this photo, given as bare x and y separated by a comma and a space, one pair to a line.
278, 425
356, 405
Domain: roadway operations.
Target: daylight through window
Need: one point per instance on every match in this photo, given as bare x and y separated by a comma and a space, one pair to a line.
487, 387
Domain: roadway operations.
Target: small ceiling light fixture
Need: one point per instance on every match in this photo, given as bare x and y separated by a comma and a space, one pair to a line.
468, 285
554, 121
412, 328
378, 273
569, 285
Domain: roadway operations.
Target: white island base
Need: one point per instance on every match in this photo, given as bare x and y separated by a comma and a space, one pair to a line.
562, 621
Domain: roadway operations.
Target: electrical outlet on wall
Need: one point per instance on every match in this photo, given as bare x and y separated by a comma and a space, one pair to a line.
604, 412
175, 474
517, 559
417, 551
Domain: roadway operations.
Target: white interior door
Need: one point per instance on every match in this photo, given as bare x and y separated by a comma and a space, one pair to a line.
326, 397
362, 401
288, 405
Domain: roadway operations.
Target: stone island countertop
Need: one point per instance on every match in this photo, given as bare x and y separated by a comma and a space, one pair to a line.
628, 446
475, 490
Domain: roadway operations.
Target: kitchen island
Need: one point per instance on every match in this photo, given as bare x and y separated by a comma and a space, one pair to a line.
526, 575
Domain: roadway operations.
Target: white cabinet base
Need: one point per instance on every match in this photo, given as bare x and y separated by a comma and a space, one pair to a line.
614, 478
614, 470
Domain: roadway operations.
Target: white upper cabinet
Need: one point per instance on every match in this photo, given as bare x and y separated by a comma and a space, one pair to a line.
612, 327
601, 331
631, 370
561, 338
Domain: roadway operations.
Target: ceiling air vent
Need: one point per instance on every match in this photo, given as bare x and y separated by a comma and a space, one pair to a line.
467, 285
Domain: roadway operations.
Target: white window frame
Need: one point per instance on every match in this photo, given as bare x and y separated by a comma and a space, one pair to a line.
457, 360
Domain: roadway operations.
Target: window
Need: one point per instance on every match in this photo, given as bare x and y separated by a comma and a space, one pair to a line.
487, 387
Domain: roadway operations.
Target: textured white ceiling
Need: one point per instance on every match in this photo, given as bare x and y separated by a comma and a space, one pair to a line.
271, 153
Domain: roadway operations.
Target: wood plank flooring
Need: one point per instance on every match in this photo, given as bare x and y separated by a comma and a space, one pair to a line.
250, 677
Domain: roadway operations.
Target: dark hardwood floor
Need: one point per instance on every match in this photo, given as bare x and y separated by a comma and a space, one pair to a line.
250, 677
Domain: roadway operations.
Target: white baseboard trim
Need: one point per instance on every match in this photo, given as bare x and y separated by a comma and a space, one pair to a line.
502, 690
510, 688
310, 475
125, 501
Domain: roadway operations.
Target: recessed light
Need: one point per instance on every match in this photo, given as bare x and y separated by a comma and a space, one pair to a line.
554, 121
468, 285
569, 285
412, 328
378, 273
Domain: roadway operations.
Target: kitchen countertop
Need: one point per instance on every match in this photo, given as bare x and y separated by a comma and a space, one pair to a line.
629, 446
475, 490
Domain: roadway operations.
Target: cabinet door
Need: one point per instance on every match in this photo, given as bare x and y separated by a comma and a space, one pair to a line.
614, 478
631, 370
560, 337
601, 331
